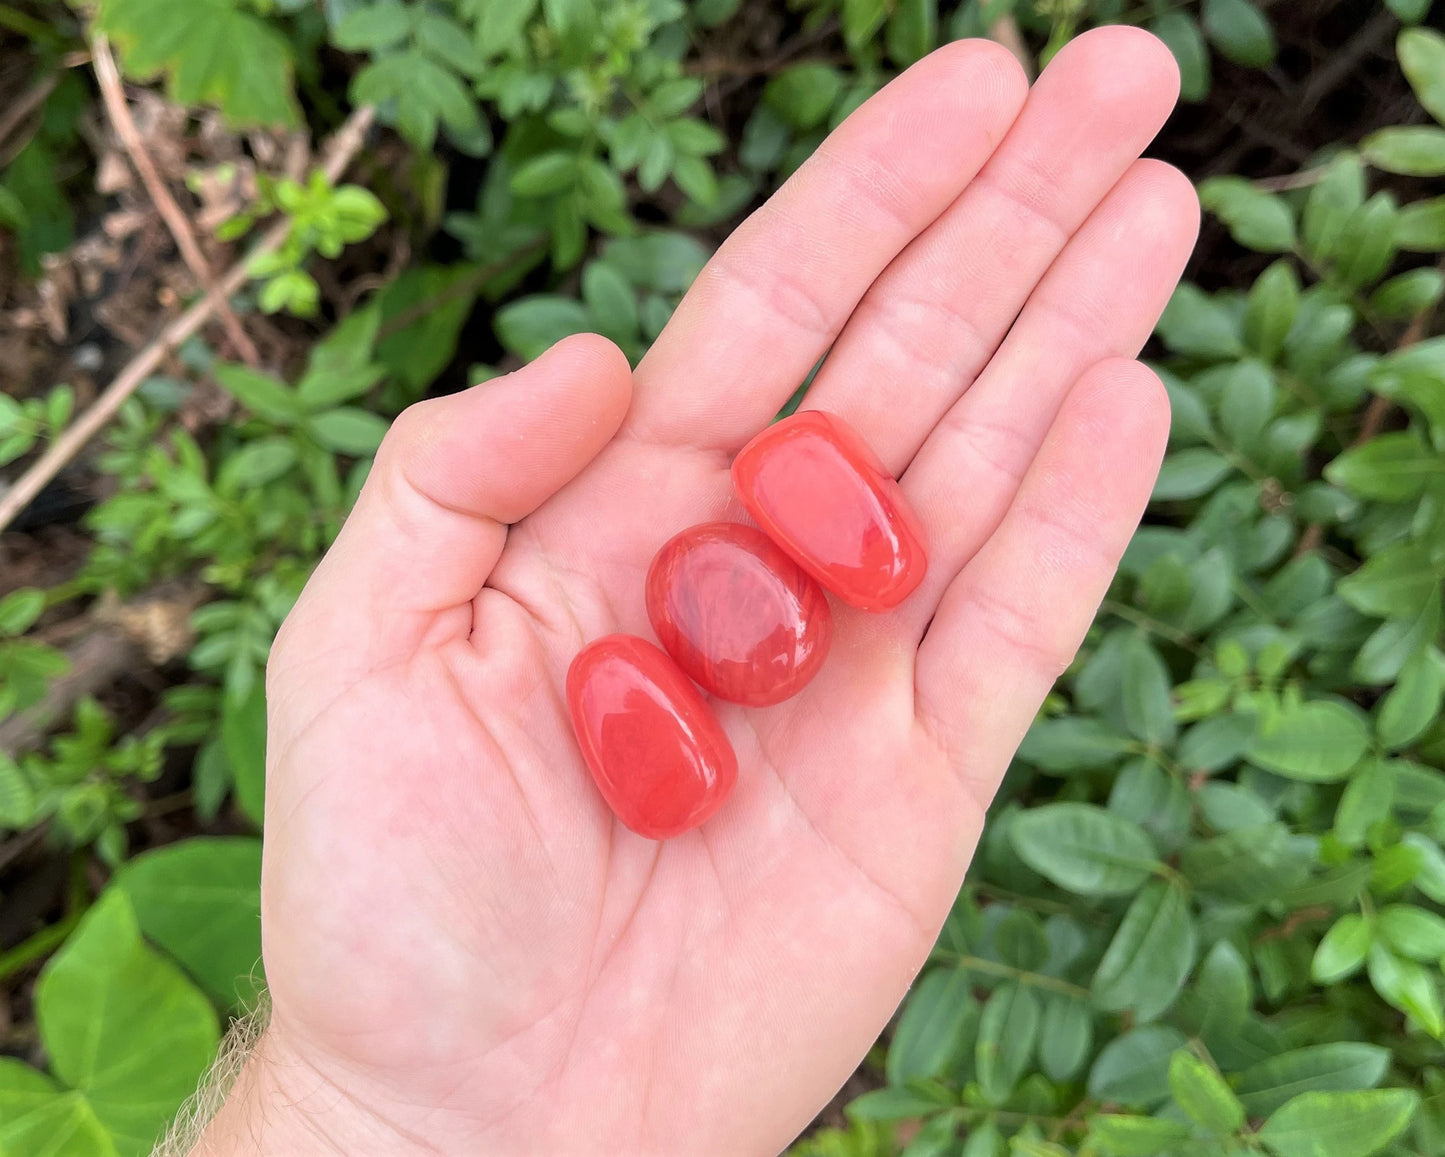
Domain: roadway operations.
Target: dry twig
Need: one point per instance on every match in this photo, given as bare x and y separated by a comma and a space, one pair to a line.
339, 153
112, 92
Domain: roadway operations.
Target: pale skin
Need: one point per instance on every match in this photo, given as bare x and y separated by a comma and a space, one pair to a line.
467, 954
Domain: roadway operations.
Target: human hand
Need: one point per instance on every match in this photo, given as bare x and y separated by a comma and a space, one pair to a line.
466, 952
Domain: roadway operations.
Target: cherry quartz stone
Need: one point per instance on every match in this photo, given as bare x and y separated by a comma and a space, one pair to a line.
821, 494
738, 615
657, 752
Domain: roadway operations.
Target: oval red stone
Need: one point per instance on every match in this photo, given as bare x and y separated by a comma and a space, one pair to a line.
738, 615
654, 747
821, 494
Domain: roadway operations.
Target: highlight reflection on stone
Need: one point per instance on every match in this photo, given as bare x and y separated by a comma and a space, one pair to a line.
739, 616
654, 747
820, 493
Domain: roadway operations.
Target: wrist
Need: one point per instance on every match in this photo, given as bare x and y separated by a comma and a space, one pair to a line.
282, 1104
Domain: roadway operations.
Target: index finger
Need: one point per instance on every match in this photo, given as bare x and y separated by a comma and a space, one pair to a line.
778, 292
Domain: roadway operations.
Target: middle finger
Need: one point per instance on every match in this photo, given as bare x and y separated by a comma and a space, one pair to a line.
933, 318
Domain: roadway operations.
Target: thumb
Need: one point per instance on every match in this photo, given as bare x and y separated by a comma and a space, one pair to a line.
450, 475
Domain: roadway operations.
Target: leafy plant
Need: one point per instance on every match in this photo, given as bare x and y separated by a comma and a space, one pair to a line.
322, 219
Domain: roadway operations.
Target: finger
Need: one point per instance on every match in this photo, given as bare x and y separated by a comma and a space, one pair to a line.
931, 322
1011, 621
452, 473
773, 298
1100, 300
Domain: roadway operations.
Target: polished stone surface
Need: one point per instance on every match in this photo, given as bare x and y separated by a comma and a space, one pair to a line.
821, 494
740, 617
654, 747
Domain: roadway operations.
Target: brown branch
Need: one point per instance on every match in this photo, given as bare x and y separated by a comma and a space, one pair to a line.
1294, 922
339, 153
112, 92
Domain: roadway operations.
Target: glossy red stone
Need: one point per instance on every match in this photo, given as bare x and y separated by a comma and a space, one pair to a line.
820, 493
654, 747
739, 616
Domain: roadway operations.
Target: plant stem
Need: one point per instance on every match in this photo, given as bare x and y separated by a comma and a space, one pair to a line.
27, 25
1009, 972
1154, 626
42, 944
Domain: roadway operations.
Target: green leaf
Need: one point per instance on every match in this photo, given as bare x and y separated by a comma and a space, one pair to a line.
200, 900
1318, 741
256, 463
1222, 990
1256, 219
804, 94
912, 31
1190, 473
532, 325
17, 797
861, 19
1389, 467
1422, 59
1150, 955
1203, 1094
377, 26
932, 1032
1148, 709
1395, 583
1195, 323
1072, 743
243, 739
1338, 1124
1368, 244
211, 51
1066, 1036
1367, 800
1007, 1032
1248, 864
1120, 1136
1408, 987
38, 1117
1240, 31
122, 1026
19, 610
1084, 848
1408, 294
1270, 309
1412, 932
1247, 402
1415, 700
347, 430
1133, 1069
1420, 227
549, 173
892, 1104
1180, 33
424, 310
1414, 150
611, 301
1337, 1067
1330, 205
264, 396
1343, 949
501, 24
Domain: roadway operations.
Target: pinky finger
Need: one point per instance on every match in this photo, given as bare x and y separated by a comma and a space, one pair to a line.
1012, 619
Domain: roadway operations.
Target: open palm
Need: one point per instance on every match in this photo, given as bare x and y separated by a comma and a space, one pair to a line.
466, 952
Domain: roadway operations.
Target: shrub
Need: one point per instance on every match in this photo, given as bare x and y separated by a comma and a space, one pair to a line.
1206, 916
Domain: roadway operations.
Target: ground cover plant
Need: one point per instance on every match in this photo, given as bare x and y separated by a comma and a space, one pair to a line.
1208, 913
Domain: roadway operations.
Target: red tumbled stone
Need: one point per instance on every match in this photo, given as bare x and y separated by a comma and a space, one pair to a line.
821, 494
738, 615
654, 747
